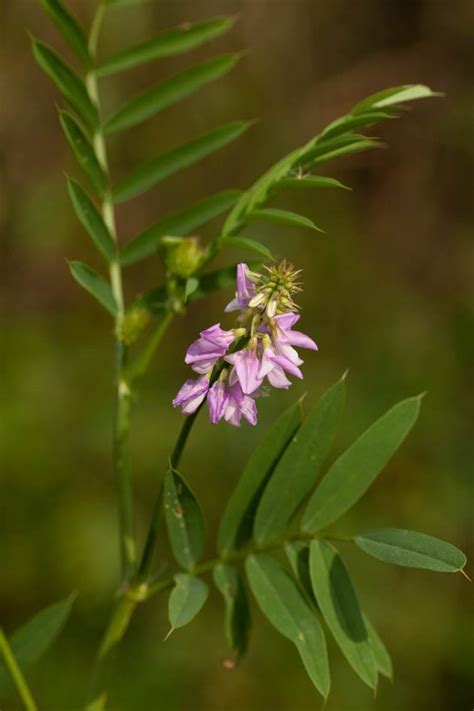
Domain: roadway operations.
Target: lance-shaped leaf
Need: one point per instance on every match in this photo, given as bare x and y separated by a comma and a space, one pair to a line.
412, 550
90, 218
166, 44
382, 658
178, 224
236, 525
186, 599
299, 467
283, 217
30, 641
282, 603
169, 92
310, 181
151, 172
338, 147
394, 96
69, 28
250, 245
83, 151
184, 520
94, 284
349, 123
237, 611
339, 606
356, 469
67, 81
297, 553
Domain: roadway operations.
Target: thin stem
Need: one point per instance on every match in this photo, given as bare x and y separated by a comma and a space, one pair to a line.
143, 360
16, 674
183, 438
123, 392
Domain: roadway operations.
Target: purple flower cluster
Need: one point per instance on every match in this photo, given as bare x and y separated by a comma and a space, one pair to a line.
234, 365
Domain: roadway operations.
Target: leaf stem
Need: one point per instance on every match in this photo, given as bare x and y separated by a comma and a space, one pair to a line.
16, 674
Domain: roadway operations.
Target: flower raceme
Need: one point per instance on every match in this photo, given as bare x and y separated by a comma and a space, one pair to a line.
234, 365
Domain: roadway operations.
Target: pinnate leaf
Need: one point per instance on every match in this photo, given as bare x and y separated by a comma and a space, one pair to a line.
339, 606
282, 603
186, 599
96, 285
299, 467
168, 92
411, 549
67, 81
184, 520
166, 44
357, 468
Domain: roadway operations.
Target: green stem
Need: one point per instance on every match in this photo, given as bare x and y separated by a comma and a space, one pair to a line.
143, 360
123, 393
16, 674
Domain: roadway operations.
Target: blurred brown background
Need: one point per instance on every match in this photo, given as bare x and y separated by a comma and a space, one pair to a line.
388, 293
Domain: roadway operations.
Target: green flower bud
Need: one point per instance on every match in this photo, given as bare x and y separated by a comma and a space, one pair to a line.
132, 325
183, 258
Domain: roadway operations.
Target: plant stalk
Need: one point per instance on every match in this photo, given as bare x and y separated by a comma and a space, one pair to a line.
16, 674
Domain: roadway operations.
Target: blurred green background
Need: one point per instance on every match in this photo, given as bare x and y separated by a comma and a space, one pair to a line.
388, 294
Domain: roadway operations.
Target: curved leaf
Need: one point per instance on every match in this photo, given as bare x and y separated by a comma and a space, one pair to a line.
69, 28
250, 245
169, 92
411, 549
338, 603
283, 605
299, 467
283, 217
151, 172
310, 181
349, 123
357, 468
237, 611
30, 641
90, 218
186, 599
393, 96
94, 284
166, 44
184, 520
67, 81
83, 151
236, 525
178, 224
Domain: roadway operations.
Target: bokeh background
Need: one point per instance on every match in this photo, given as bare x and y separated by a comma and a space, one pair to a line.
388, 294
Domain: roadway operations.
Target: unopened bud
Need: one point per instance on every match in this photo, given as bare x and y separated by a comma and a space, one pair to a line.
183, 258
132, 325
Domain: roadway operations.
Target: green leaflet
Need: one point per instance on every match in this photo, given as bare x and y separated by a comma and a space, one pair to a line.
184, 520
235, 528
349, 123
338, 603
169, 92
178, 224
166, 44
30, 641
356, 469
282, 217
383, 661
411, 549
83, 151
299, 467
92, 221
337, 147
394, 96
94, 284
237, 611
186, 599
69, 28
310, 181
282, 603
151, 172
67, 81
250, 245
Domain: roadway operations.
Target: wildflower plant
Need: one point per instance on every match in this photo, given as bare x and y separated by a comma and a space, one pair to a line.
281, 504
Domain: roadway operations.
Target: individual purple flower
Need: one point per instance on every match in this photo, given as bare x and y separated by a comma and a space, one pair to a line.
293, 338
247, 369
239, 405
245, 289
203, 354
217, 399
191, 395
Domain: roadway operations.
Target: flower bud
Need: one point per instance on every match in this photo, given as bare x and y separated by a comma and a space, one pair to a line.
184, 257
133, 323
